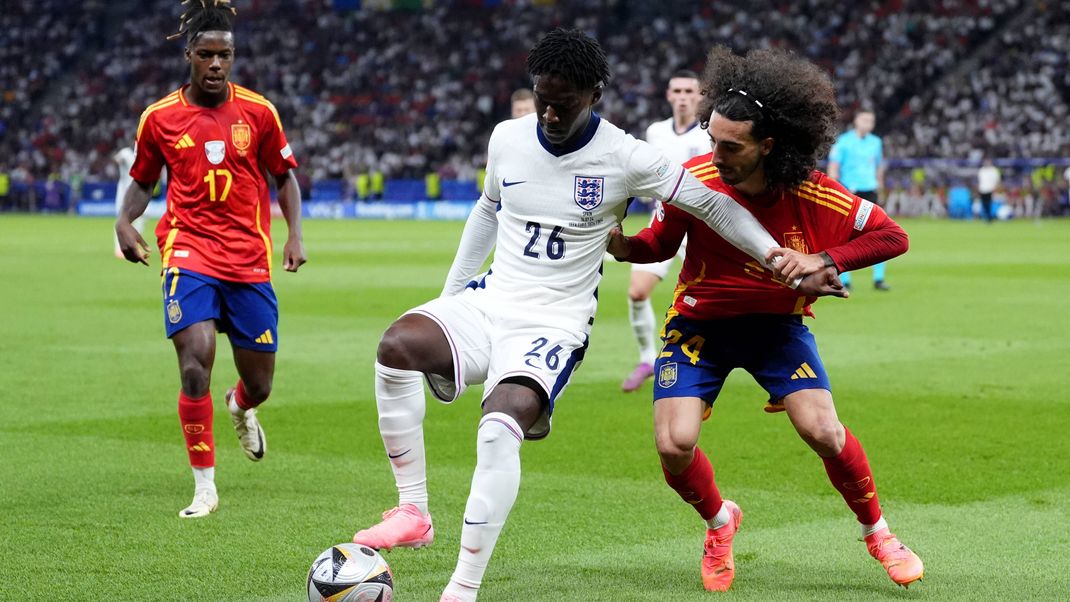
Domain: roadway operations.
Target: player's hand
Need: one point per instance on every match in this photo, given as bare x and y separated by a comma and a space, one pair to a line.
792, 264
293, 254
823, 283
619, 247
134, 248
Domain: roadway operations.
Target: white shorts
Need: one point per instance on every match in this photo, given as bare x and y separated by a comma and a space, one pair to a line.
489, 349
661, 269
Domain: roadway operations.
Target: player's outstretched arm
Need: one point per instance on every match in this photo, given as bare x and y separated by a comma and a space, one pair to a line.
477, 239
725, 217
293, 253
133, 247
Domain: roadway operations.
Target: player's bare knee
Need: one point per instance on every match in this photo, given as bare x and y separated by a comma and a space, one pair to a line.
395, 349
826, 437
257, 391
674, 449
637, 294
196, 378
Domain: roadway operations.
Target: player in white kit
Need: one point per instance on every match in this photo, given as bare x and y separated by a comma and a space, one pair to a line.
557, 182
124, 158
679, 138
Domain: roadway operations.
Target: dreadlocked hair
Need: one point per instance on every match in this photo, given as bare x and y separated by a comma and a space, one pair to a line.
785, 97
202, 16
571, 55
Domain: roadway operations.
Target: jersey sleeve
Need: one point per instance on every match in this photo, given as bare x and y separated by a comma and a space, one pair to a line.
491, 188
661, 239
649, 173
871, 235
148, 157
275, 151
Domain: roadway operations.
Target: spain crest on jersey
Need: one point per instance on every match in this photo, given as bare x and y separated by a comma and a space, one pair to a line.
241, 135
215, 150
796, 242
588, 194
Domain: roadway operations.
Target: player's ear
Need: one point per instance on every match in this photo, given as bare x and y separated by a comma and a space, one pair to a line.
596, 95
765, 146
187, 53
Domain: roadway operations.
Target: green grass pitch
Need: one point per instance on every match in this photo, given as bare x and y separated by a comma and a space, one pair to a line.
955, 382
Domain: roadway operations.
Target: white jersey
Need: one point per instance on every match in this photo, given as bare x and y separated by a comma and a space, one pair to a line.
555, 210
124, 158
678, 147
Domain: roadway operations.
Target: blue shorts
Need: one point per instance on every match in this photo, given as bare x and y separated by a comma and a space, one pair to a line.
777, 350
248, 313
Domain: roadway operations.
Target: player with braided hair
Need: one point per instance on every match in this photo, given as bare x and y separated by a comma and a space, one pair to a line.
769, 116
217, 141
557, 181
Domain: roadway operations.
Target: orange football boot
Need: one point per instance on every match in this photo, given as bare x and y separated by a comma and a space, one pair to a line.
903, 565
718, 565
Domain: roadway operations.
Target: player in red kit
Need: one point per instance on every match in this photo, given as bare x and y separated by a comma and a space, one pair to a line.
769, 116
217, 140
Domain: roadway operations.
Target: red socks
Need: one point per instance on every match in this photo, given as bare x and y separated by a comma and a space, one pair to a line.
851, 476
196, 417
242, 398
696, 486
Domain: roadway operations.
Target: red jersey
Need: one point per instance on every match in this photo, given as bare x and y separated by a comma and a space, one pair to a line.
218, 218
720, 281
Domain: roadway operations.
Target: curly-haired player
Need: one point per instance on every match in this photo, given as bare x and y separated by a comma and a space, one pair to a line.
218, 141
558, 180
769, 115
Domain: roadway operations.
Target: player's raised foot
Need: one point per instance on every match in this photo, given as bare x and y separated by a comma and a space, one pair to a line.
250, 435
638, 376
402, 527
205, 502
903, 565
718, 565
774, 407
881, 285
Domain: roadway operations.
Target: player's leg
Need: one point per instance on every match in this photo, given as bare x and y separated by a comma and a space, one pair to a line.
530, 368
879, 282
195, 346
791, 369
512, 409
415, 345
690, 370
645, 277
191, 307
250, 317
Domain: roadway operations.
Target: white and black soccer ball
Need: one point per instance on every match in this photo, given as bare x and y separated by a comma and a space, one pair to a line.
350, 572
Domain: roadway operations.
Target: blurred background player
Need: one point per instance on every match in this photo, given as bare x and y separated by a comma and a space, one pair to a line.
988, 180
731, 313
522, 329
857, 161
218, 141
679, 138
124, 159
522, 102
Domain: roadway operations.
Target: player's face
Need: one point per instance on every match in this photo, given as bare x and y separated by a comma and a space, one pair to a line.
563, 108
210, 57
683, 94
736, 154
523, 107
864, 122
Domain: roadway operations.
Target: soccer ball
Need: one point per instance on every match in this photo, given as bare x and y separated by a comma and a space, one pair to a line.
349, 572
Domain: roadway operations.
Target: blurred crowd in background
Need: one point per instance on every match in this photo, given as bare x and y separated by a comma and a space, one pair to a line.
387, 93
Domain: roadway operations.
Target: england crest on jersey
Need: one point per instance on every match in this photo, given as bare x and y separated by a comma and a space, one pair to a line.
588, 192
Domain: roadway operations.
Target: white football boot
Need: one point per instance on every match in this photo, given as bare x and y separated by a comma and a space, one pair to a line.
250, 435
205, 502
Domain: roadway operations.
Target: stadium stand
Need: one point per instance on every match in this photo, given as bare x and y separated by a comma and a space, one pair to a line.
408, 92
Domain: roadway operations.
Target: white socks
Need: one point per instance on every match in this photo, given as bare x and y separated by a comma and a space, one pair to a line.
720, 519
868, 530
642, 319
203, 478
494, 488
399, 396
